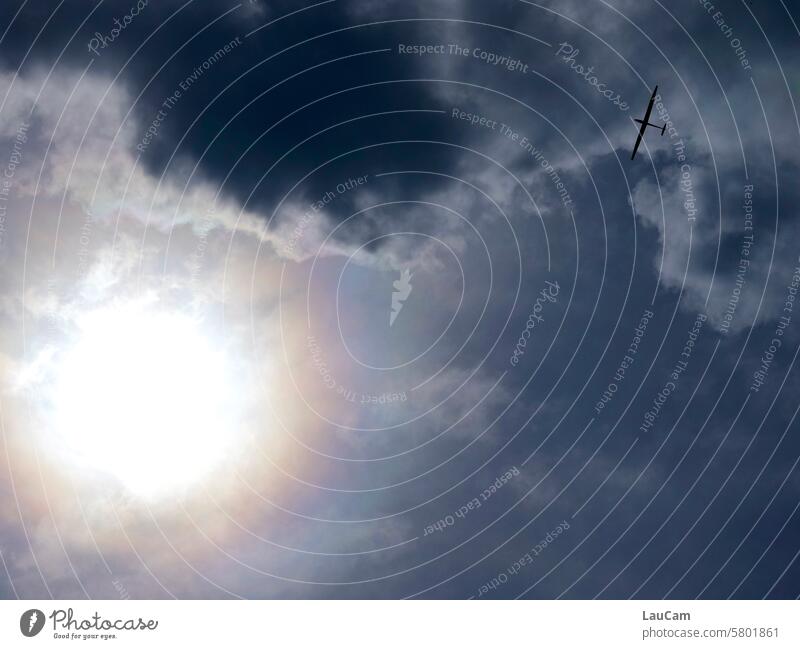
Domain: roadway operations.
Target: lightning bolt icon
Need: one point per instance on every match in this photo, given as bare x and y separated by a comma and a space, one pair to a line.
32, 621
400, 294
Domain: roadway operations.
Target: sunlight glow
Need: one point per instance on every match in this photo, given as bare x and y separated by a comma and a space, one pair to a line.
144, 396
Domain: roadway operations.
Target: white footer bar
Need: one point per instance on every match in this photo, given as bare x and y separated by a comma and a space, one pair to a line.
390, 624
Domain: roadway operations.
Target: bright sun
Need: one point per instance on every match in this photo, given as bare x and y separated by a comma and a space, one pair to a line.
143, 396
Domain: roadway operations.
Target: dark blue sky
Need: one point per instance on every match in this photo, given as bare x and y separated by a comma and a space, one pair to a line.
467, 449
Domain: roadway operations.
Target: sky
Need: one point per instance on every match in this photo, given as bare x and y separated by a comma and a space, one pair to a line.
367, 299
